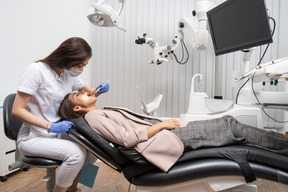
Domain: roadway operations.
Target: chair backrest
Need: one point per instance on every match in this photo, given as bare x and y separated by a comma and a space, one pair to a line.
115, 156
11, 124
97, 140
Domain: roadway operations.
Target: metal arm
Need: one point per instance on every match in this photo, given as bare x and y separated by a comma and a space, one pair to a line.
196, 33
160, 53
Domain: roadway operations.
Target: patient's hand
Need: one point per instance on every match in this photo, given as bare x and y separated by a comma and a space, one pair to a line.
166, 124
285, 135
170, 124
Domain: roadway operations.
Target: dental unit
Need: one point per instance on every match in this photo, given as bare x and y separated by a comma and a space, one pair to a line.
228, 168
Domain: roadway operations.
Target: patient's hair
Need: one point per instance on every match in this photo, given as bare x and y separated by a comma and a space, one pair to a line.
71, 52
66, 109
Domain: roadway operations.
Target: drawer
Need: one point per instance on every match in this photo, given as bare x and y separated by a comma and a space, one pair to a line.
9, 144
8, 159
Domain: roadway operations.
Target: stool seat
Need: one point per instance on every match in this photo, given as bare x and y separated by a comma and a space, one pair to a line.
41, 162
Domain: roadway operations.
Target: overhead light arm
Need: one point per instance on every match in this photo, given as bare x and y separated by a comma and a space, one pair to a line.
121, 7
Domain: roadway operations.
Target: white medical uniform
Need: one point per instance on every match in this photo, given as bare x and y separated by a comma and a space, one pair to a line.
47, 91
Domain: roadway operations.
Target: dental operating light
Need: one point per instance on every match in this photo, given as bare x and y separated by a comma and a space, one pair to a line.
104, 15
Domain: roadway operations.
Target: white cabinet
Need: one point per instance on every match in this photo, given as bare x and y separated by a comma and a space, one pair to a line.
7, 150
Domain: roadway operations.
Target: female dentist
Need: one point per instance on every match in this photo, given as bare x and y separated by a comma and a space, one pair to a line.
40, 92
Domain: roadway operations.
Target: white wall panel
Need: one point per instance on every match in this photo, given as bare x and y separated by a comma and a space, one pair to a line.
32, 29
119, 59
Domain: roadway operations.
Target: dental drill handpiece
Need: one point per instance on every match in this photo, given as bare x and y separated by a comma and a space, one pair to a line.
96, 91
100, 88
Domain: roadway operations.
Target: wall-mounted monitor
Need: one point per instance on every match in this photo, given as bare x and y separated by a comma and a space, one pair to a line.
239, 24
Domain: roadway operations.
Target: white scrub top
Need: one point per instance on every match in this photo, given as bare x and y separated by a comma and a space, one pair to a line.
47, 90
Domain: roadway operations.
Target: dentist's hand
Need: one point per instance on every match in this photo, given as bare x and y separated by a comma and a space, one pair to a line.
61, 127
103, 88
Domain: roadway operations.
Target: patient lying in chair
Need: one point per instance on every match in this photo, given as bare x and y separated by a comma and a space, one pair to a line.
163, 142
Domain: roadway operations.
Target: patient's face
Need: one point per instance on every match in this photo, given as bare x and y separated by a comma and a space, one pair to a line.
83, 99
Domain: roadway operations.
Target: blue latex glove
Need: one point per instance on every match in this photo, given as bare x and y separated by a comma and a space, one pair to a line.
103, 88
61, 127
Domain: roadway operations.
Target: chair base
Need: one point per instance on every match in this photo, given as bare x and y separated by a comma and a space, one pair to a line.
208, 184
50, 178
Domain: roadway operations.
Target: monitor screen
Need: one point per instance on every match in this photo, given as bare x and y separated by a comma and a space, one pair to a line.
239, 24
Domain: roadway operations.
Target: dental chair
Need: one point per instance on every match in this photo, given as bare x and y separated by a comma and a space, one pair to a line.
229, 168
11, 128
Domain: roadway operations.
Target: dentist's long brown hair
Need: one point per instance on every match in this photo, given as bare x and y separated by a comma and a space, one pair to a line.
71, 52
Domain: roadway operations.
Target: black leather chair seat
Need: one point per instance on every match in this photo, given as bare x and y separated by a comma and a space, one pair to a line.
237, 160
204, 168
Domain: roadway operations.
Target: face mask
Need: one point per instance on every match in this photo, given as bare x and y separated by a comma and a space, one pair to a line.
73, 72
